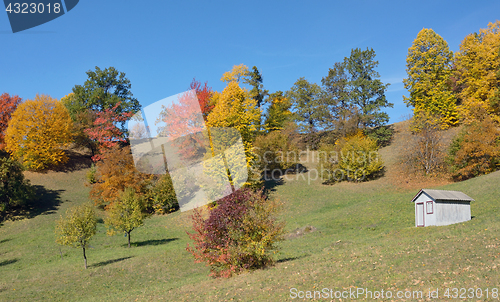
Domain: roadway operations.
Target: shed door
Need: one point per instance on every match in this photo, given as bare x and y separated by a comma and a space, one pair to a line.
419, 214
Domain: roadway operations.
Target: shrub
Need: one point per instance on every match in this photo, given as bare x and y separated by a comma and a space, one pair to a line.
239, 234
275, 151
475, 150
353, 158
311, 140
160, 195
14, 189
424, 151
91, 174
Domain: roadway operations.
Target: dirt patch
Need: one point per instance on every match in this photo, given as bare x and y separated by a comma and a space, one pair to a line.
397, 174
300, 232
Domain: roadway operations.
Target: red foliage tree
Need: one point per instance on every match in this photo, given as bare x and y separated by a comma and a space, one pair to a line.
184, 124
8, 105
105, 130
203, 93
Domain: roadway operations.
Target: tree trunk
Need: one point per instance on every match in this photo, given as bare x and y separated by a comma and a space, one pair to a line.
128, 239
84, 257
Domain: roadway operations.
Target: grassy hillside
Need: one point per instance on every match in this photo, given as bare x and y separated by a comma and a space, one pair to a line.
364, 237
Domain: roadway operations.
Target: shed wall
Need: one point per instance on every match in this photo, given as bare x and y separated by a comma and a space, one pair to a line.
449, 212
429, 219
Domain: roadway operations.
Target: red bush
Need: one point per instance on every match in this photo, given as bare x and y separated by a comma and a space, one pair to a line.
239, 234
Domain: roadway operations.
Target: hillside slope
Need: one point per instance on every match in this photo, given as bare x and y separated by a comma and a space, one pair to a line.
365, 237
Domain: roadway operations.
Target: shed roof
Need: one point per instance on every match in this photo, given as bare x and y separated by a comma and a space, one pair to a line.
444, 195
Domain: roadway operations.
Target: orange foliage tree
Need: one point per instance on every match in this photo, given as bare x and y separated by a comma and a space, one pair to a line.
476, 150
38, 132
8, 105
115, 172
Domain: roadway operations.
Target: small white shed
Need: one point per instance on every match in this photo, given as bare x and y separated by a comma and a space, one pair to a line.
438, 207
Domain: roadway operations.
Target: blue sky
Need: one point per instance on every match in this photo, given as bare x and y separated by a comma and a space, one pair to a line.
162, 45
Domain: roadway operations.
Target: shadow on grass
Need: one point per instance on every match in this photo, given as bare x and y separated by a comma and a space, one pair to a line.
290, 259
5, 240
278, 177
338, 177
151, 242
45, 202
76, 161
103, 263
7, 262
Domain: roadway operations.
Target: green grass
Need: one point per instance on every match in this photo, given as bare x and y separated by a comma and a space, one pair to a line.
365, 238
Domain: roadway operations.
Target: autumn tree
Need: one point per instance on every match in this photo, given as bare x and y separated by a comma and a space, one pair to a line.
77, 227
277, 151
476, 149
429, 66
305, 99
236, 74
234, 108
161, 196
8, 105
354, 86
104, 90
38, 132
104, 130
183, 124
116, 172
477, 75
126, 214
203, 93
278, 113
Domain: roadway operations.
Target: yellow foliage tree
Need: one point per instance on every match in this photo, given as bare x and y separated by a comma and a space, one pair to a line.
126, 214
38, 131
234, 108
278, 113
477, 72
353, 158
77, 228
236, 74
428, 66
